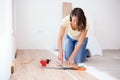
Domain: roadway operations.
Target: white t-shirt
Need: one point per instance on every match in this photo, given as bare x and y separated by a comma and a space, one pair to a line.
74, 34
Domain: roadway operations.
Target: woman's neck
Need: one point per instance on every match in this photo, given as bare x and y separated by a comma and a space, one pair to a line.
73, 27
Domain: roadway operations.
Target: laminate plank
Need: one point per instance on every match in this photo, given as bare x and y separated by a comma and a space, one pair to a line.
28, 67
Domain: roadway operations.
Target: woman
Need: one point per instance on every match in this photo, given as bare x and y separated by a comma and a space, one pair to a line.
75, 27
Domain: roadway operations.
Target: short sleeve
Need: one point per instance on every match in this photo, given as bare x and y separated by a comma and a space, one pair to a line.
65, 22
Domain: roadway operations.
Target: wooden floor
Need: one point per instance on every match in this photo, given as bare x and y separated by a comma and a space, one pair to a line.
28, 67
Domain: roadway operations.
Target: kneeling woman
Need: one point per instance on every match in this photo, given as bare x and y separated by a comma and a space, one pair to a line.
74, 44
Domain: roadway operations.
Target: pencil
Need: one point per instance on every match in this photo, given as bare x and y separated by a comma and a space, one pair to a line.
62, 58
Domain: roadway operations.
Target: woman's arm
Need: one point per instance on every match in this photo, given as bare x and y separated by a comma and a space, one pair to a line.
60, 37
80, 41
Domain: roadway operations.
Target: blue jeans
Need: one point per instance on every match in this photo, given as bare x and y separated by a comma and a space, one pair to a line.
68, 47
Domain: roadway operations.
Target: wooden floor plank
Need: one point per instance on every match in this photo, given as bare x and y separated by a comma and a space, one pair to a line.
28, 67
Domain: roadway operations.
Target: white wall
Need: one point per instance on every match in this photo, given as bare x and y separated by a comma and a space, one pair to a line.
104, 14
38, 22
7, 53
106, 20
7, 42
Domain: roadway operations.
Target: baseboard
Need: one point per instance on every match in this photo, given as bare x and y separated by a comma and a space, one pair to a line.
111, 49
16, 53
13, 66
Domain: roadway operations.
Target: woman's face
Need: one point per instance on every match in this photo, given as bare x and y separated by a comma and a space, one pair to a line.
74, 22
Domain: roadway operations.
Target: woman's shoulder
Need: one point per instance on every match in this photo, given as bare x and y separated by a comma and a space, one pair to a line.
67, 18
66, 21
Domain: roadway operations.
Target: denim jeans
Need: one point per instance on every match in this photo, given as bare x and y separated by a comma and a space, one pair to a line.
68, 47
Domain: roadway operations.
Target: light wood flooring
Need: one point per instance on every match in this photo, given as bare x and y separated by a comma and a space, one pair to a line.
28, 67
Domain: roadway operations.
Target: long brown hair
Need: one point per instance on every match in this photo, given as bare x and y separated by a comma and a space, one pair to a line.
79, 13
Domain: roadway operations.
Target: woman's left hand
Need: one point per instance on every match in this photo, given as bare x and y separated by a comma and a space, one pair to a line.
71, 60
